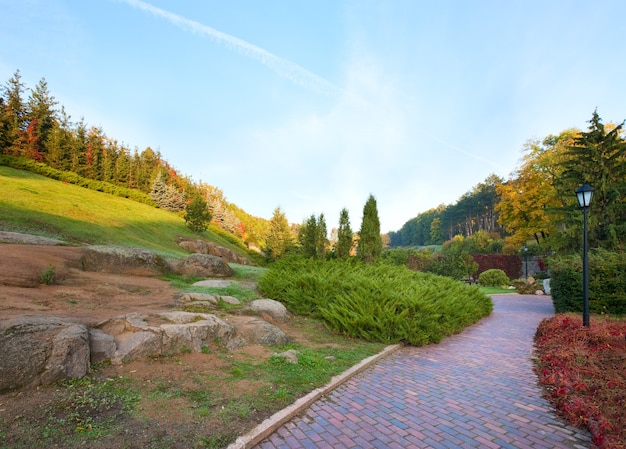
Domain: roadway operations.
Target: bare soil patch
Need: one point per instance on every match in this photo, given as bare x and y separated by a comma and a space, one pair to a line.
187, 400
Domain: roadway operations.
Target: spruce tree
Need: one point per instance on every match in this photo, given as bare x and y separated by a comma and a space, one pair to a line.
344, 235
370, 243
280, 239
197, 215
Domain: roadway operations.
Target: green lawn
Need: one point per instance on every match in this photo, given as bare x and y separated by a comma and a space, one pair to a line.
35, 204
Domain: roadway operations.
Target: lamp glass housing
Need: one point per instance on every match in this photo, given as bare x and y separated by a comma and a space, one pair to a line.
584, 194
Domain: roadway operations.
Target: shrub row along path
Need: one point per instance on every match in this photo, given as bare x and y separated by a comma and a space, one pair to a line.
474, 389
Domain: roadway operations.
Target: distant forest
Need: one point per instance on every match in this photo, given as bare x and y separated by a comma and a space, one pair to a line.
474, 211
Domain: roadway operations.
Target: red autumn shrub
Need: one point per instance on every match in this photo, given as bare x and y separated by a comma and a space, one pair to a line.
509, 263
583, 371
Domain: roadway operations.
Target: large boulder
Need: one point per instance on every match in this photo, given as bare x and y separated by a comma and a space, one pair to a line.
203, 265
117, 259
195, 330
204, 247
268, 308
40, 350
258, 331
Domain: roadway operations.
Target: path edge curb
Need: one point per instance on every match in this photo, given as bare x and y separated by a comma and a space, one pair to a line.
279, 418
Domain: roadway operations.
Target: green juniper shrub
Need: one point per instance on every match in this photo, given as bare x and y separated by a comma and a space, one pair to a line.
376, 301
493, 278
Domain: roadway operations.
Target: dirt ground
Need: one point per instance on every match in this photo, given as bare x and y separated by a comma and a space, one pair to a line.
86, 297
91, 298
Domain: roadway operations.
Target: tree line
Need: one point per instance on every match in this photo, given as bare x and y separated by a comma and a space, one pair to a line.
33, 126
536, 205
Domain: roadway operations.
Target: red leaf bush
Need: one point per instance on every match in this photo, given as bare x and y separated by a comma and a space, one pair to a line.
583, 371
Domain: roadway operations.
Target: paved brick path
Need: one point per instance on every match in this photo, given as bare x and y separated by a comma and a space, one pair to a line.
475, 389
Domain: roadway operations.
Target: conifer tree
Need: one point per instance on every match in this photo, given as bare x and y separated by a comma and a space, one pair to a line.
321, 240
280, 239
596, 157
308, 237
370, 243
197, 215
344, 235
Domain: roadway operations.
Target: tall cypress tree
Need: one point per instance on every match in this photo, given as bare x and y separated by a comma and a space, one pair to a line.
370, 242
344, 235
308, 237
321, 240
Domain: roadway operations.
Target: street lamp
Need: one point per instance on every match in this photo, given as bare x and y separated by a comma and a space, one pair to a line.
584, 194
525, 261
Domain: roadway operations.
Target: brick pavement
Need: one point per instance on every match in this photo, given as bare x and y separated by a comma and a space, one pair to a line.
473, 390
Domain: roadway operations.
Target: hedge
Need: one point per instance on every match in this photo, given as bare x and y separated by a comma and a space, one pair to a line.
607, 282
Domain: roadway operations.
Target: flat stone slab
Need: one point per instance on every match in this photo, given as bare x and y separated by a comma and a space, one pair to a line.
27, 239
215, 283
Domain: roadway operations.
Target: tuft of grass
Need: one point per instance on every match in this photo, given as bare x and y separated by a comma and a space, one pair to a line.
48, 277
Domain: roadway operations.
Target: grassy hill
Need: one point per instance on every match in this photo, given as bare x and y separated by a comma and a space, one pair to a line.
34, 204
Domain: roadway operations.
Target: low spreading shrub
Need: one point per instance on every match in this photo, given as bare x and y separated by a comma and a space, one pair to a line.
493, 278
376, 302
582, 369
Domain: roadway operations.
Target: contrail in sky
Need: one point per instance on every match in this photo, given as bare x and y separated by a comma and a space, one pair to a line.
287, 69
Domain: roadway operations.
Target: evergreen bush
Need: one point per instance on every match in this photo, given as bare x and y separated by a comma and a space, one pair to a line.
493, 278
376, 301
607, 282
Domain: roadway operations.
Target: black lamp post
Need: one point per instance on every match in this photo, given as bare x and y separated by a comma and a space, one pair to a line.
525, 261
584, 194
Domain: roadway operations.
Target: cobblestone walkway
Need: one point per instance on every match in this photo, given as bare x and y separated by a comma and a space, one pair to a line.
475, 389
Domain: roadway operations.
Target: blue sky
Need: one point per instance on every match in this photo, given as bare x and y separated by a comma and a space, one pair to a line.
311, 106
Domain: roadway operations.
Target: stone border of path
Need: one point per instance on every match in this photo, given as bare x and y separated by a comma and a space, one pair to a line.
272, 423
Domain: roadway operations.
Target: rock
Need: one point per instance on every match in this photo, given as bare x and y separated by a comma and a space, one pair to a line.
290, 356
539, 292
194, 330
203, 247
70, 356
213, 283
39, 350
230, 300
131, 322
129, 261
102, 346
274, 309
135, 345
28, 239
194, 297
546, 286
258, 331
203, 265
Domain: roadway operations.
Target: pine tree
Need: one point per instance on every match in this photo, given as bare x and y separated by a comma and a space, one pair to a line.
42, 116
597, 157
370, 243
280, 239
13, 118
344, 235
197, 215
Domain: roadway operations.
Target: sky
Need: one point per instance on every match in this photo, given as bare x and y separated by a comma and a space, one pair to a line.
312, 106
